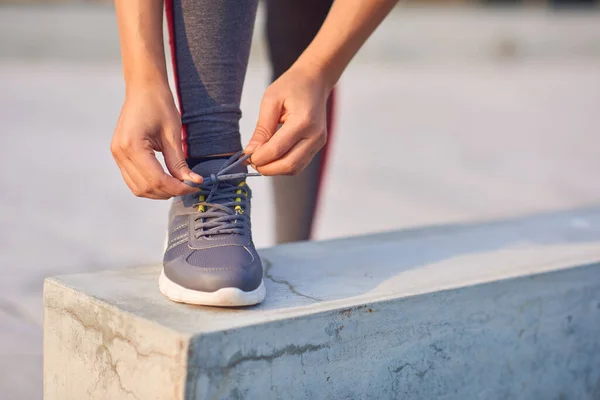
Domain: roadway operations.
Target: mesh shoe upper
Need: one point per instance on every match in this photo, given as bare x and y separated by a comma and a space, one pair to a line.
210, 241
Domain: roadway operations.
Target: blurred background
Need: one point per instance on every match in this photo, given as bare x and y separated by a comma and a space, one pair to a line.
454, 111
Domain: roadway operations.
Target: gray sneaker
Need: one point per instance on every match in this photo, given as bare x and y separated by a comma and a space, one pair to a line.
210, 258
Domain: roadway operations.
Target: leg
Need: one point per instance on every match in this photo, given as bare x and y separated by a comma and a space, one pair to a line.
210, 45
291, 26
210, 258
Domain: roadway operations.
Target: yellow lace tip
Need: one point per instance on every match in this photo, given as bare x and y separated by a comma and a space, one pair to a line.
238, 210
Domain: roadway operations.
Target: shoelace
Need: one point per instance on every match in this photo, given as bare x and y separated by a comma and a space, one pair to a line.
227, 216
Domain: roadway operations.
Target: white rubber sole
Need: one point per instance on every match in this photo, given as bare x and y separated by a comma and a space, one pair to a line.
224, 297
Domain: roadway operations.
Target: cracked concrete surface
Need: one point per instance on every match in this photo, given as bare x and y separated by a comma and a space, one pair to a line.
290, 350
267, 265
119, 348
518, 296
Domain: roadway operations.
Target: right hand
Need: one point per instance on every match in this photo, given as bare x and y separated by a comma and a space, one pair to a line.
150, 122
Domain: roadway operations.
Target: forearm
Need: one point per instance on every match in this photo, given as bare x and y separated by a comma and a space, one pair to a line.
346, 28
141, 36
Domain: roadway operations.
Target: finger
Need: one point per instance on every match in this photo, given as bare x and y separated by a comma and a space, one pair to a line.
290, 133
130, 183
154, 179
142, 188
133, 186
126, 154
295, 160
128, 172
175, 159
268, 118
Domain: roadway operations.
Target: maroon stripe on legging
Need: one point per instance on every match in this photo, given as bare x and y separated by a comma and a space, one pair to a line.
324, 157
172, 44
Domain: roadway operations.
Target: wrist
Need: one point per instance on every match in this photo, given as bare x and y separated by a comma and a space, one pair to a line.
317, 68
145, 71
141, 85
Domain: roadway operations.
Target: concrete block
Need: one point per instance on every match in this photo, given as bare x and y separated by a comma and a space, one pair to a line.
485, 311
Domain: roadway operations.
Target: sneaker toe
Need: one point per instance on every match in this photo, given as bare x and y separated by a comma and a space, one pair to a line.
211, 269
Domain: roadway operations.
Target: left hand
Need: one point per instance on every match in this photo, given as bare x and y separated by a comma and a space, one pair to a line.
297, 101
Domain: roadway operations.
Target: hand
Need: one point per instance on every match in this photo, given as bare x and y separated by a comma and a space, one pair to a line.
298, 101
150, 122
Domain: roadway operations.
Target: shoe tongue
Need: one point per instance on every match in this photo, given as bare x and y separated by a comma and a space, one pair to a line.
213, 166
206, 168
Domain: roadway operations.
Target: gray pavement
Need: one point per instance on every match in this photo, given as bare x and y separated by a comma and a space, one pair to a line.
422, 138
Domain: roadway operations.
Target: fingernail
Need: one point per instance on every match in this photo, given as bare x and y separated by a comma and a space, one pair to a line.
251, 148
195, 177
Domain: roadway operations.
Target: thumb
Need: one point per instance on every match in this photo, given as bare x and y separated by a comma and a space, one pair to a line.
268, 119
175, 160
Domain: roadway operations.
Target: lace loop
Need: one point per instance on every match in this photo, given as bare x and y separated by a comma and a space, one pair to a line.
223, 200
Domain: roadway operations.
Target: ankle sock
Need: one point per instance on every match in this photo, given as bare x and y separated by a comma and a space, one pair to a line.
192, 162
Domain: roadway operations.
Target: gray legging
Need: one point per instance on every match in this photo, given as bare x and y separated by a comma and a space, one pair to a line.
210, 43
